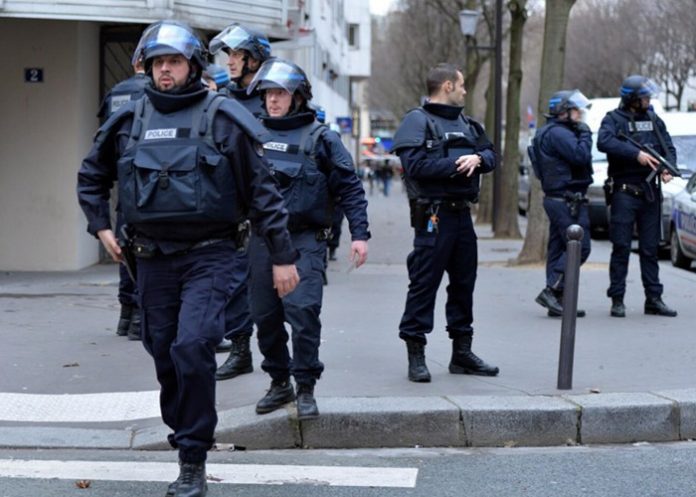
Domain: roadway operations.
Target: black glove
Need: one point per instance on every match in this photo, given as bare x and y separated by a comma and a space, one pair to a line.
581, 128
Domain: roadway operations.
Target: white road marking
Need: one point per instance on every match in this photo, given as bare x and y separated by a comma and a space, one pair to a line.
79, 408
250, 474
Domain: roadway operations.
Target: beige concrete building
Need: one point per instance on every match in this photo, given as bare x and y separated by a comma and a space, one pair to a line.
59, 58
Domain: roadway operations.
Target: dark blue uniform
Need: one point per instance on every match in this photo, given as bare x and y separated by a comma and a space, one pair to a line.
634, 201
565, 155
238, 322
428, 142
185, 181
312, 167
251, 101
126, 91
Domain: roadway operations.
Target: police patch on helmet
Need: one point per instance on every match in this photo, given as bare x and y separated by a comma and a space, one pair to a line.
258, 148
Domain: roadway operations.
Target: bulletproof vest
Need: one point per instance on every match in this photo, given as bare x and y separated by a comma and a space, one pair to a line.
172, 172
131, 89
252, 102
303, 185
644, 131
555, 174
447, 138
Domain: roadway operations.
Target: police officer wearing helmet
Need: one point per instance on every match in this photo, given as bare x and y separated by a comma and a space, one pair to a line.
312, 168
442, 153
127, 90
633, 199
561, 154
246, 50
189, 169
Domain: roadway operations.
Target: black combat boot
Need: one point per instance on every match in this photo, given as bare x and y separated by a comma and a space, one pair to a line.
191, 481
134, 328
547, 298
464, 361
280, 393
417, 369
225, 345
618, 309
306, 404
332, 253
239, 360
559, 296
124, 320
655, 305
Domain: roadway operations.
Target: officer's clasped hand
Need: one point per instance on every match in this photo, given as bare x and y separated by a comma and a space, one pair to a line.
466, 164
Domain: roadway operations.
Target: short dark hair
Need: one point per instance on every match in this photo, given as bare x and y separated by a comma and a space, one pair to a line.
439, 74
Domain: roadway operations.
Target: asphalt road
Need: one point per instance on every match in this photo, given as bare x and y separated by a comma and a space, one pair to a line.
640, 470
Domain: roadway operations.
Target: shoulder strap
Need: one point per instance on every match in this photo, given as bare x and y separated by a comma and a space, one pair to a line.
432, 126
143, 111
309, 138
204, 125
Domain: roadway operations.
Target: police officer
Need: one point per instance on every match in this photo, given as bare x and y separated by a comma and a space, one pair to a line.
246, 50
189, 169
633, 199
312, 168
442, 153
562, 156
128, 90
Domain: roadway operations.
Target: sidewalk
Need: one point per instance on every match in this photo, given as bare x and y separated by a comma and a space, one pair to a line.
66, 379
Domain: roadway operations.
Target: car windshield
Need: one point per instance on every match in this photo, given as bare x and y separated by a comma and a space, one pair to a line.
686, 151
597, 156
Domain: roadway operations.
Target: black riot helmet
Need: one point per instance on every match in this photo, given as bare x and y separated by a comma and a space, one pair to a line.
636, 87
236, 37
281, 73
565, 100
172, 38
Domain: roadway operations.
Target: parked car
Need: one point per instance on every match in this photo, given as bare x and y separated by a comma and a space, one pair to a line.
682, 227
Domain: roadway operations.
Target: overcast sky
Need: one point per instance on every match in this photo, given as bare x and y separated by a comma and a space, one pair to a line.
380, 7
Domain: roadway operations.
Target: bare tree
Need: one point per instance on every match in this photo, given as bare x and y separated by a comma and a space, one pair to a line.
506, 218
552, 68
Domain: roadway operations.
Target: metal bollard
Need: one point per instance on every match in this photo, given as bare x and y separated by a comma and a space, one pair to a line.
574, 233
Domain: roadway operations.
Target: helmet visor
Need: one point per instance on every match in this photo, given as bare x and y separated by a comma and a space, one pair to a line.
231, 37
577, 100
277, 74
649, 89
168, 39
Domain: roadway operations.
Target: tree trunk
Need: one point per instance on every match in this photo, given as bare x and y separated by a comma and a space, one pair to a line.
506, 225
485, 209
552, 69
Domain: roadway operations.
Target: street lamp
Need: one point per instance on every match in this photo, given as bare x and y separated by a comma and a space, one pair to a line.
468, 19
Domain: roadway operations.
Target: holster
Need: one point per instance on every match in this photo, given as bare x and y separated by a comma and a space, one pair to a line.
574, 201
608, 190
241, 238
420, 213
125, 242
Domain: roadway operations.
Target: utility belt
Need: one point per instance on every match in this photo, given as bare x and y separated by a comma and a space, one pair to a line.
144, 248
424, 212
321, 235
573, 199
634, 190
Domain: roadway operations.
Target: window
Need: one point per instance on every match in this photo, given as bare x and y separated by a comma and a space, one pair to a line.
354, 35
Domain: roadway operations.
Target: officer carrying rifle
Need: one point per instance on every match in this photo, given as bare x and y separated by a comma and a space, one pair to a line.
638, 148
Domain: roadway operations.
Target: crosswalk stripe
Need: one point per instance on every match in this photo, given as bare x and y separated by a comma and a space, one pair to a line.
250, 474
79, 408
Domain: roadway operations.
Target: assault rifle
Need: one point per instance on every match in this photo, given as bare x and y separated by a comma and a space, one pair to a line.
664, 164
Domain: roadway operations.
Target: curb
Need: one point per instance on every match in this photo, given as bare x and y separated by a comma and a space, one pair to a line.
375, 422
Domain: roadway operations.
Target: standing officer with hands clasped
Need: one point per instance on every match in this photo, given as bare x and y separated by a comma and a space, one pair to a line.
312, 168
189, 169
633, 199
561, 155
442, 153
